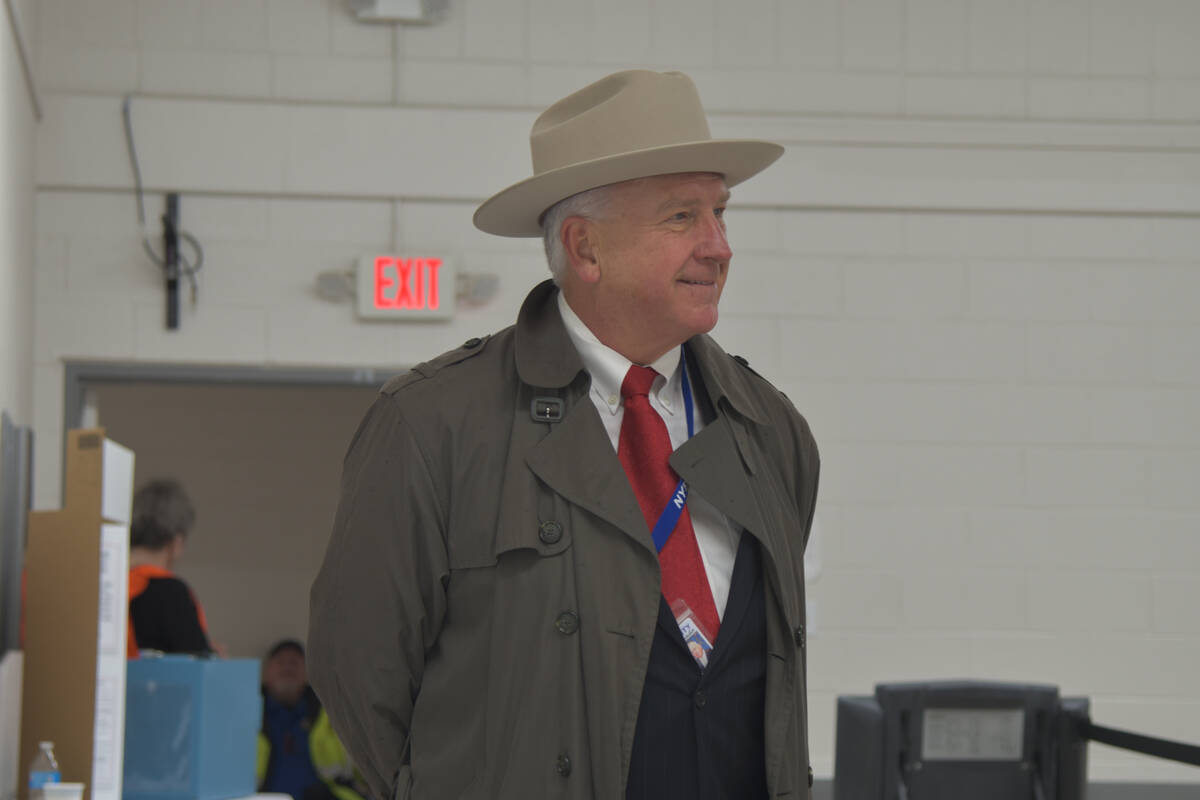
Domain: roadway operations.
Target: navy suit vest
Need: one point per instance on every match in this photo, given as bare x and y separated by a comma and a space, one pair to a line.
700, 732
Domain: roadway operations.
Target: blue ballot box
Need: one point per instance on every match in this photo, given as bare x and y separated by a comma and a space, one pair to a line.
191, 728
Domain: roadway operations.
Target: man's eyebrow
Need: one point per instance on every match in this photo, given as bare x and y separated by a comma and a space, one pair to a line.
691, 202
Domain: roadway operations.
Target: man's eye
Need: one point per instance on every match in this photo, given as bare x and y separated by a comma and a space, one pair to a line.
682, 216
720, 213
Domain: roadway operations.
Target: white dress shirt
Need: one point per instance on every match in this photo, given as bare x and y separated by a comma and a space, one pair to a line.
715, 534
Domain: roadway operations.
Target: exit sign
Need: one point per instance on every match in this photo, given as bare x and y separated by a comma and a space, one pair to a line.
405, 287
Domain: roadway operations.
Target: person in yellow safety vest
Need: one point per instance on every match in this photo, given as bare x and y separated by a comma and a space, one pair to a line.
298, 752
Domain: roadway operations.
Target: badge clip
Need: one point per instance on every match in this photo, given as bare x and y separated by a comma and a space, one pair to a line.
698, 642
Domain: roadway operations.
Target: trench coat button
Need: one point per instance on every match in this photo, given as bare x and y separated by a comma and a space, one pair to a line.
800, 636
700, 698
567, 623
563, 765
550, 532
473, 342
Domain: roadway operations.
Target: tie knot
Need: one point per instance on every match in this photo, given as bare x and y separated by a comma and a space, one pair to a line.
637, 382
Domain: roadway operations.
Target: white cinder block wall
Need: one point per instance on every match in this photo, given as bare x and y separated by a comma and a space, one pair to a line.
17, 119
976, 272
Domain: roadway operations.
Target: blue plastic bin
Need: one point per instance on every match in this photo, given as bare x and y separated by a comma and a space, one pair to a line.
191, 728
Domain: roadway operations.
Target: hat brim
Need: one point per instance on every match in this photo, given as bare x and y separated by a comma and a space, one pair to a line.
517, 210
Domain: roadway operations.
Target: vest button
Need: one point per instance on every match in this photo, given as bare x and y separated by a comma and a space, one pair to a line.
563, 765
550, 532
567, 623
800, 636
700, 698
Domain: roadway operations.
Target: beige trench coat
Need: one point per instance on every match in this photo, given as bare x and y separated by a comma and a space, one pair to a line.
482, 622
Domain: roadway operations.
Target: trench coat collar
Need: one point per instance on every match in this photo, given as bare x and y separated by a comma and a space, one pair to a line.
546, 357
544, 353
725, 378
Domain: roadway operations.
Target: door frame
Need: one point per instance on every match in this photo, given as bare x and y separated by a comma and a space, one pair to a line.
78, 374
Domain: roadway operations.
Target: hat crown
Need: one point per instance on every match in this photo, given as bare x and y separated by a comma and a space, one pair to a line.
629, 125
622, 113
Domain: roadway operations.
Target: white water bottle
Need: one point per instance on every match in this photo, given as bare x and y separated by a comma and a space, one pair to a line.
43, 770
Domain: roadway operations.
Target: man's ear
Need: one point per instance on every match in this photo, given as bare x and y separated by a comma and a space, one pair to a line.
580, 239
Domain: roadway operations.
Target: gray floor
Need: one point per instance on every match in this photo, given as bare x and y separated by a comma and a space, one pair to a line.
823, 790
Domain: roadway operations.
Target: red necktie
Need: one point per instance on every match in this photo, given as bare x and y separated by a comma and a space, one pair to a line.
644, 447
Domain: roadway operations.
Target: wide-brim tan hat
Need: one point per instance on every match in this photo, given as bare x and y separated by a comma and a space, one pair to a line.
629, 125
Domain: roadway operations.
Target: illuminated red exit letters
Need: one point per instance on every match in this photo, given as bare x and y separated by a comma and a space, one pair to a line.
407, 283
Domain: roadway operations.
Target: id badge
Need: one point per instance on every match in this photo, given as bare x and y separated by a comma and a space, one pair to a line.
694, 636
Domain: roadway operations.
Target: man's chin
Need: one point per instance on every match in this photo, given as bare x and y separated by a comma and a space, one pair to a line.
704, 321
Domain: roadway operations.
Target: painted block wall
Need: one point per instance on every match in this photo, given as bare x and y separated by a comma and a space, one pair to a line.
975, 272
17, 123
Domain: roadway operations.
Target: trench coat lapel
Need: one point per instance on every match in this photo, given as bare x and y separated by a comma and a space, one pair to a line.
575, 458
713, 466
711, 463
718, 462
577, 461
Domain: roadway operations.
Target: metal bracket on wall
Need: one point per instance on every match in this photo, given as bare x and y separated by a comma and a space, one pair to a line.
170, 221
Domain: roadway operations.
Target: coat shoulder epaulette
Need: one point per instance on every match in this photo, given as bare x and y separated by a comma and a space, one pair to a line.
427, 369
746, 365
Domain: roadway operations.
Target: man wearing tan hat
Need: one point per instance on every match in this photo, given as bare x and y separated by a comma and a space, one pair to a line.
568, 557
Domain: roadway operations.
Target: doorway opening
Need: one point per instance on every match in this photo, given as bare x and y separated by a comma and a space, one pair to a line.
259, 452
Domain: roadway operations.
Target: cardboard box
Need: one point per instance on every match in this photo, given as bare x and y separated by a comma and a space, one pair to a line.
76, 612
191, 729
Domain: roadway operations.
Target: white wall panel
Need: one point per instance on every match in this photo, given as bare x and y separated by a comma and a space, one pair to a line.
747, 34
1059, 39
872, 34
336, 79
1175, 26
301, 27
936, 36
1073, 98
1120, 38
996, 36
954, 601
383, 152
558, 30
684, 32
977, 96
89, 69
974, 271
494, 30
234, 24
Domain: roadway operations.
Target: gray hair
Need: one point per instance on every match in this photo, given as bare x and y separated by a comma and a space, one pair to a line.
161, 512
589, 204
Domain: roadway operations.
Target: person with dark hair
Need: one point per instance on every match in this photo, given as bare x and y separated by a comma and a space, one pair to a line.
163, 613
298, 752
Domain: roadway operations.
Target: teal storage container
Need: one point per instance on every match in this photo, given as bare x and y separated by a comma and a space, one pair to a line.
191, 728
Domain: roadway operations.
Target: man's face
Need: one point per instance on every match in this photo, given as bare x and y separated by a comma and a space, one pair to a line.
662, 261
285, 676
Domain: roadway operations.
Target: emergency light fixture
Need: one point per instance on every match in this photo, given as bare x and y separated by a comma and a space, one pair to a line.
403, 11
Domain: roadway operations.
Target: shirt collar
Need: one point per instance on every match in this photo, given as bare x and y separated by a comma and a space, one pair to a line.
608, 367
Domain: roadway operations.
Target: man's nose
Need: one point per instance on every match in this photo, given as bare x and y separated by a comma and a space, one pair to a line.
714, 245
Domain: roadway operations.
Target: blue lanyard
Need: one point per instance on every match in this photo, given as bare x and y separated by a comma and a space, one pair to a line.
669, 517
